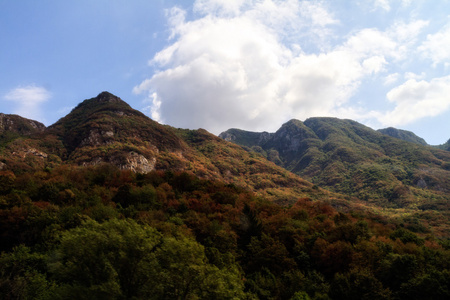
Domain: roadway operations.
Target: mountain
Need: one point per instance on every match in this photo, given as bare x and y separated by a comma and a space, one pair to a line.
445, 146
105, 129
403, 135
15, 124
14, 131
245, 138
106, 200
350, 158
356, 166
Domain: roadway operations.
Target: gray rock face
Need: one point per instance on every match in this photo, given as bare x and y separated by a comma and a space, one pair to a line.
290, 136
133, 161
139, 163
98, 137
227, 136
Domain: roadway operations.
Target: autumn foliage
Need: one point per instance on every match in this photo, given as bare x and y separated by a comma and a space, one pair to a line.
104, 233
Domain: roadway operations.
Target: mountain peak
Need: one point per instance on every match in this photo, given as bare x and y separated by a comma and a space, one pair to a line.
294, 122
107, 129
103, 99
108, 97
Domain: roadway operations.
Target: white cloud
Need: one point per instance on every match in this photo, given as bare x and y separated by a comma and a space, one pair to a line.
408, 32
411, 75
396, 42
220, 7
417, 99
374, 64
406, 2
386, 4
391, 78
372, 41
436, 46
235, 66
28, 100
383, 4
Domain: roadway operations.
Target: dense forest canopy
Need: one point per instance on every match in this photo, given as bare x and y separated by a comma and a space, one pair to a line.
104, 233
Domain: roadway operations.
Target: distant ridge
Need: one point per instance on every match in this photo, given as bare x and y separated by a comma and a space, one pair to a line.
19, 125
445, 146
350, 158
403, 135
245, 138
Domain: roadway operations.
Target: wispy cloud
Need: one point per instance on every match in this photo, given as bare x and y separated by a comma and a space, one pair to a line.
383, 4
27, 100
415, 100
436, 46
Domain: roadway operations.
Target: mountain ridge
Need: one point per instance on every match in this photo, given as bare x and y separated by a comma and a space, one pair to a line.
322, 158
105, 129
350, 158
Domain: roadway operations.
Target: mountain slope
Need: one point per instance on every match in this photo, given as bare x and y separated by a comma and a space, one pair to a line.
106, 119
13, 127
445, 146
19, 125
352, 161
403, 135
350, 158
105, 129
15, 143
245, 138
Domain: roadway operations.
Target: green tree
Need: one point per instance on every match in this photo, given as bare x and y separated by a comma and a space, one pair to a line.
358, 284
184, 273
120, 259
22, 275
433, 285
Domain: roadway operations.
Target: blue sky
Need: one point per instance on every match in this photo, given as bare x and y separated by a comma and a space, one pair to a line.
218, 64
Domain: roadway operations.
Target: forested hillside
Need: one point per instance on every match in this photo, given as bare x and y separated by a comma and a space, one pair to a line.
109, 204
104, 233
350, 158
105, 129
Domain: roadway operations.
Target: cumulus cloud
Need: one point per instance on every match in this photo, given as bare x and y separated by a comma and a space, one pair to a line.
27, 100
249, 64
417, 99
